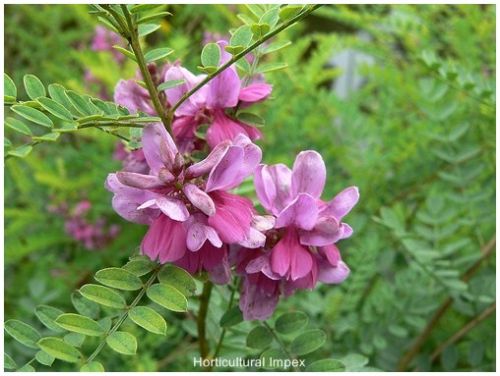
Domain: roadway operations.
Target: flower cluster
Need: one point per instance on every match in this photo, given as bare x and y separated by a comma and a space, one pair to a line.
196, 221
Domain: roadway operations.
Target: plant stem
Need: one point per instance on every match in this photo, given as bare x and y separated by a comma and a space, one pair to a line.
281, 344
420, 340
223, 333
124, 315
242, 54
202, 318
133, 39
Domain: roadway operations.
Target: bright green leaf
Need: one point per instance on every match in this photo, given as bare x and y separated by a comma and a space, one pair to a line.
8, 362
18, 126
251, 119
168, 297
291, 322
52, 136
290, 11
85, 306
47, 315
55, 108
231, 317
149, 319
21, 151
103, 296
146, 29
33, 115
122, 342
140, 265
119, 278
125, 52
259, 338
178, 278
79, 324
34, 87
43, 358
271, 67
22, 333
241, 37
210, 55
157, 54
9, 87
59, 349
93, 366
74, 339
326, 365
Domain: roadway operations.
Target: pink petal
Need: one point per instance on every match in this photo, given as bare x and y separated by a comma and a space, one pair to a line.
308, 174
205, 166
343, 202
325, 231
255, 92
263, 222
301, 212
225, 173
256, 301
254, 239
272, 184
196, 236
135, 98
191, 106
165, 240
223, 90
140, 181
233, 216
332, 254
334, 274
173, 208
183, 128
159, 148
281, 258
199, 199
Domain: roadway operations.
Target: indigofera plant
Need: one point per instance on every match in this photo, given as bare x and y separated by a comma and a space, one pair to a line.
189, 143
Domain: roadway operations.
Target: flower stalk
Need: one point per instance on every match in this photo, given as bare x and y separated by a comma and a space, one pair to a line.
202, 319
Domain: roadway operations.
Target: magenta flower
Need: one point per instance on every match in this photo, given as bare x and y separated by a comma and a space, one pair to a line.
300, 249
209, 105
188, 206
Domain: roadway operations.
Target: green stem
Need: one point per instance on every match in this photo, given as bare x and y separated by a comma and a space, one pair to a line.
223, 333
124, 315
281, 344
240, 55
202, 318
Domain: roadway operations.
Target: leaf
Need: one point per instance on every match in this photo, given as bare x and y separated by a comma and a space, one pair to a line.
125, 52
8, 362
79, 324
169, 84
251, 119
55, 108
47, 315
103, 296
353, 362
291, 322
168, 297
143, 8
84, 306
18, 126
178, 278
43, 358
157, 54
6, 142
273, 358
271, 17
231, 317
140, 266
259, 338
59, 349
52, 136
9, 87
122, 342
93, 366
210, 55
34, 87
79, 102
153, 17
271, 67
119, 278
276, 46
149, 319
241, 37
290, 11
326, 365
26, 368
22, 333
146, 29
308, 342
58, 93
74, 339
33, 115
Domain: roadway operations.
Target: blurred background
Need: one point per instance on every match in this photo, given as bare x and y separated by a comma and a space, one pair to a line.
399, 100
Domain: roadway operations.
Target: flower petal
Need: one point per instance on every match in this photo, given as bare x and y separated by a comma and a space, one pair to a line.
255, 92
132, 96
301, 212
272, 184
199, 199
173, 208
140, 181
308, 174
343, 202
225, 173
223, 90
159, 148
326, 231
165, 240
204, 166
336, 274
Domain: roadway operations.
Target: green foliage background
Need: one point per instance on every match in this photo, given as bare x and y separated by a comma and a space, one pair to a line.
417, 139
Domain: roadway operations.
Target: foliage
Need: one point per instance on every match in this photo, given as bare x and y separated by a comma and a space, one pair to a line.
416, 137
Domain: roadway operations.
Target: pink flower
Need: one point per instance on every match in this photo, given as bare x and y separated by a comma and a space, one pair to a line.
188, 206
105, 39
300, 249
210, 103
133, 160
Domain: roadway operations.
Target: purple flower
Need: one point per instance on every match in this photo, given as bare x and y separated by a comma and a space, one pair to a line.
300, 249
188, 206
105, 39
208, 105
